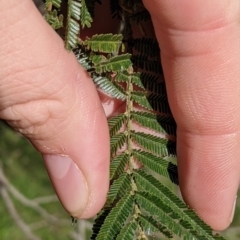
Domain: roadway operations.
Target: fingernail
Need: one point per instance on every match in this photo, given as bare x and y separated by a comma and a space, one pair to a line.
233, 210
68, 182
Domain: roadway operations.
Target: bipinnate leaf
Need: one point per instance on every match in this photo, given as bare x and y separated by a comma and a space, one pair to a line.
86, 17
119, 188
152, 227
115, 123
123, 76
118, 165
116, 218
110, 87
105, 43
150, 204
116, 142
99, 222
74, 8
128, 231
114, 64
141, 99
72, 24
151, 143
138, 205
50, 3
52, 16
157, 164
148, 120
185, 216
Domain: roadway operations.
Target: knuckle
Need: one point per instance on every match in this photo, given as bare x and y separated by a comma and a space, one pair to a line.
37, 120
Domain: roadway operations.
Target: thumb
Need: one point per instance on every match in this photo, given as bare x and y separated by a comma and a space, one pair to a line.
200, 50
49, 98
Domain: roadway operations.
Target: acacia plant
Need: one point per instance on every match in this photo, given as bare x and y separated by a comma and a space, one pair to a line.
127, 67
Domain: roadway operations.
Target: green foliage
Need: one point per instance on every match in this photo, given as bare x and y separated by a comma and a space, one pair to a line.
51, 15
72, 24
138, 206
105, 43
110, 87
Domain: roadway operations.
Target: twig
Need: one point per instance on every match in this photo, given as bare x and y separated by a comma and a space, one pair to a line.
13, 212
29, 203
46, 199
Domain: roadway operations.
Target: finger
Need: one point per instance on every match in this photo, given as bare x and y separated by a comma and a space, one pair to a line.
49, 98
200, 50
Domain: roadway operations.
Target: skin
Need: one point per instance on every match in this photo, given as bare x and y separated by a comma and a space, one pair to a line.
49, 98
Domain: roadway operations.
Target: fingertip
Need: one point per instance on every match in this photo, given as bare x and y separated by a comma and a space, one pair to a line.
71, 186
209, 176
69, 183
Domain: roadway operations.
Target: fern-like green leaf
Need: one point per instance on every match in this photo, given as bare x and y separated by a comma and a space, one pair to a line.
151, 143
52, 15
75, 8
55, 20
151, 226
148, 120
117, 142
83, 58
138, 205
72, 25
119, 188
50, 3
122, 76
141, 99
86, 17
158, 165
116, 218
135, 78
97, 59
184, 215
90, 4
99, 222
128, 231
105, 43
118, 165
151, 203
145, 81
110, 87
114, 64
115, 123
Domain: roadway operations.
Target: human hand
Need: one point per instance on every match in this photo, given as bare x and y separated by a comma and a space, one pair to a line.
200, 51
56, 109
48, 97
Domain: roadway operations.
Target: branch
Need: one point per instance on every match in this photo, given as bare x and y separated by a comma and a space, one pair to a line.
13, 212
45, 199
29, 203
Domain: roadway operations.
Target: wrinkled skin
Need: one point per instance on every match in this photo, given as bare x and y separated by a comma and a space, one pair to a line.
49, 98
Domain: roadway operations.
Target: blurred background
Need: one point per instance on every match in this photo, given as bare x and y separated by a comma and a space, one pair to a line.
29, 208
